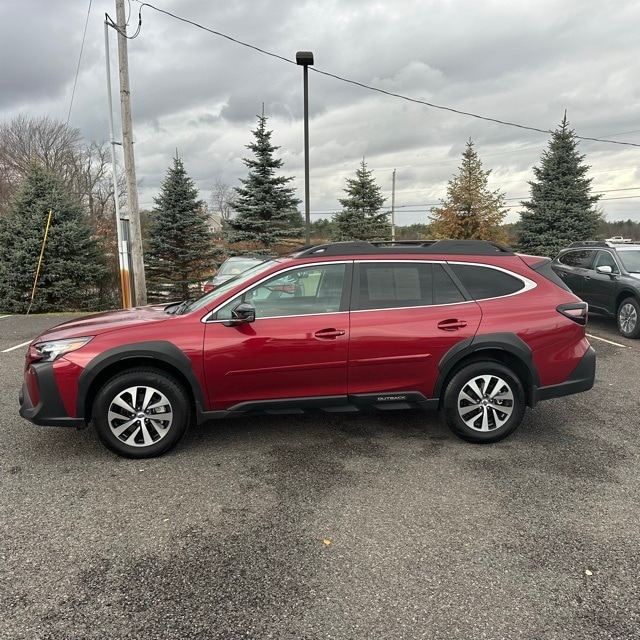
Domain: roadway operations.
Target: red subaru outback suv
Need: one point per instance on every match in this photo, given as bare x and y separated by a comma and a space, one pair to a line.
467, 327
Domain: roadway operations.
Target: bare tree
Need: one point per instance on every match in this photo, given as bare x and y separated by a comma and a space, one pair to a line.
222, 196
51, 143
84, 169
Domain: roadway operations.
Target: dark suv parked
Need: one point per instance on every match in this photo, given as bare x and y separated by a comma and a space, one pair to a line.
464, 326
607, 277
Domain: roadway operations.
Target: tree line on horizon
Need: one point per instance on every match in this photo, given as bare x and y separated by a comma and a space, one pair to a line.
46, 167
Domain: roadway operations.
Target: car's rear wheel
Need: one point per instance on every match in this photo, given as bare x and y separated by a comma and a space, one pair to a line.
629, 318
141, 413
484, 402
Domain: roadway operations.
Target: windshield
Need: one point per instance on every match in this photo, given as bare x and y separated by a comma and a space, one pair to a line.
230, 284
630, 259
233, 267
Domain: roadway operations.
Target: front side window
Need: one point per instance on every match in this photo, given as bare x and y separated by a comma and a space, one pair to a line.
207, 298
308, 290
606, 259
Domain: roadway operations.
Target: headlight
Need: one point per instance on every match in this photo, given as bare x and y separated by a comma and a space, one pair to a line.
52, 350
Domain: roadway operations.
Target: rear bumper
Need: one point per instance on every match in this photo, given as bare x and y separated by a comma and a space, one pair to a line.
49, 410
581, 379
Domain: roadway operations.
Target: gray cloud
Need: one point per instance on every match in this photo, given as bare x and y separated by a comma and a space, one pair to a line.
522, 62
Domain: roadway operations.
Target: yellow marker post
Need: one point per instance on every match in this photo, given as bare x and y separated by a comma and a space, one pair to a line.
44, 242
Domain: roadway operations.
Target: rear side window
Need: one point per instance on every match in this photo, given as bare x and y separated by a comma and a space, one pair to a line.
484, 282
581, 259
445, 290
406, 284
386, 286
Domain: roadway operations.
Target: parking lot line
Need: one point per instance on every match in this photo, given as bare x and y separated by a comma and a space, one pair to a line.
24, 344
616, 344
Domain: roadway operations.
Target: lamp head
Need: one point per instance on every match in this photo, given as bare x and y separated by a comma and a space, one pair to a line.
304, 58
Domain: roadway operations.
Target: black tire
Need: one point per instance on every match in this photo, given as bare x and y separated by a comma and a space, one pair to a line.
484, 402
628, 318
145, 426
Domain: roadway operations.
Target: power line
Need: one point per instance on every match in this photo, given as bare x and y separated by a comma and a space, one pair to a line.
75, 82
368, 87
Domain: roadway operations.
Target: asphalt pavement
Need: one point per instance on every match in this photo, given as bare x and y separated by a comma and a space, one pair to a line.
328, 526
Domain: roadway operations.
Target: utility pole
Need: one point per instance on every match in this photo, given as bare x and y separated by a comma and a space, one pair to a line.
121, 231
137, 259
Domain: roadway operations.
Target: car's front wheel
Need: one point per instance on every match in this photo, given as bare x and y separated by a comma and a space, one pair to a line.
141, 413
629, 318
484, 402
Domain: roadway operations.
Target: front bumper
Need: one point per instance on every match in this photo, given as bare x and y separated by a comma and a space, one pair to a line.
581, 379
49, 410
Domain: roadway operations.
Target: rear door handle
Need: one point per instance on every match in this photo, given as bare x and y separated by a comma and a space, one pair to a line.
452, 324
329, 333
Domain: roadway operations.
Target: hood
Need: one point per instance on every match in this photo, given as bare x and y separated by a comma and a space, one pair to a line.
103, 322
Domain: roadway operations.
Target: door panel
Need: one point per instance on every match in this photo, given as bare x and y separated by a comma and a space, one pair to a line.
600, 289
275, 358
401, 325
399, 349
297, 346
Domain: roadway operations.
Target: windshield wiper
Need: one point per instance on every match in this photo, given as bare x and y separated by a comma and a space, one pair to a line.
182, 307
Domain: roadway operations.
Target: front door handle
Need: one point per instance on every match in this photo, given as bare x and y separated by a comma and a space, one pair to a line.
452, 324
329, 333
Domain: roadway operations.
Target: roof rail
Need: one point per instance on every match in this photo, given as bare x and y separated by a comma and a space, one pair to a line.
456, 247
591, 243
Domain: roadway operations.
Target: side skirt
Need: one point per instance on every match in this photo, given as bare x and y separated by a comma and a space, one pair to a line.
384, 401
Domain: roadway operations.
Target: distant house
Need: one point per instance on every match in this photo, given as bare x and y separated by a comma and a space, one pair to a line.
215, 223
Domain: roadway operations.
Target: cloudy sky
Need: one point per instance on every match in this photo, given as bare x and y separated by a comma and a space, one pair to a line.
524, 62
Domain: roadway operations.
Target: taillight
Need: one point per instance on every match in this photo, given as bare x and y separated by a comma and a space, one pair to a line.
576, 311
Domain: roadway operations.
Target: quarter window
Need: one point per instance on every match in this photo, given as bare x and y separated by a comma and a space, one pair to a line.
484, 282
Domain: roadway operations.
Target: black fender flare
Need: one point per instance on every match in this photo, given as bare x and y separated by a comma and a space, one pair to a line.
160, 351
504, 341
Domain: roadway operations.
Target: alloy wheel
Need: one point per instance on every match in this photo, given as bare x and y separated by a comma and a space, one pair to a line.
140, 416
628, 318
485, 403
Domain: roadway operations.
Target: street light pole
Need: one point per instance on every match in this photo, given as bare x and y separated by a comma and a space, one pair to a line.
305, 58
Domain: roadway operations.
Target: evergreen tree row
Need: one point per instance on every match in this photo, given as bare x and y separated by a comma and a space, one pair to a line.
180, 249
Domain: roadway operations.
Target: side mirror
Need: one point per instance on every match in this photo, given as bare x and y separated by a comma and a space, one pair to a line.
244, 312
605, 270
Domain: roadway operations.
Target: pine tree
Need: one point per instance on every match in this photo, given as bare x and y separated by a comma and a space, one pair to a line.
360, 218
72, 268
266, 208
470, 211
561, 209
180, 246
